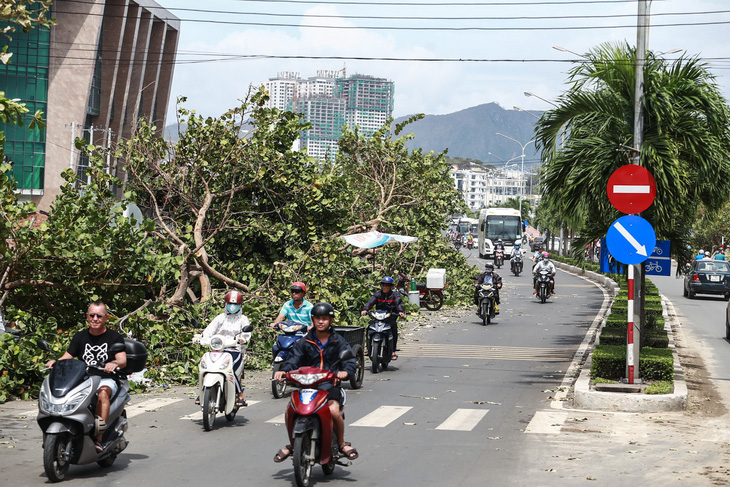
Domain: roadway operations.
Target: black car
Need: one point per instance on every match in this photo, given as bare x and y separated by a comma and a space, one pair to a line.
707, 277
537, 244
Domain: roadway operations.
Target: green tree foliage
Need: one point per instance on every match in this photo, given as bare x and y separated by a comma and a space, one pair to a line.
230, 204
686, 145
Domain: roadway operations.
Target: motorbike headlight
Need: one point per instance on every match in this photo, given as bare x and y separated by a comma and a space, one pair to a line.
307, 379
70, 404
216, 343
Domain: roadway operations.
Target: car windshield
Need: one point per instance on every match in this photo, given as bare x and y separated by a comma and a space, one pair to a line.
716, 266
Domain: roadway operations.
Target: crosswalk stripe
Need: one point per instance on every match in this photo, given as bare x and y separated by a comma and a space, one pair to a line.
463, 420
198, 415
382, 416
277, 420
485, 352
150, 405
546, 422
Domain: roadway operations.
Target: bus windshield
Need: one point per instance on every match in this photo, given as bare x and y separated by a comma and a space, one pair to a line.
504, 227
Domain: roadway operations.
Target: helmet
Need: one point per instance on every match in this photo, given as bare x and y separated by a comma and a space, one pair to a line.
702, 251
298, 287
387, 280
489, 266
233, 302
323, 309
499, 240
707, 253
517, 245
545, 255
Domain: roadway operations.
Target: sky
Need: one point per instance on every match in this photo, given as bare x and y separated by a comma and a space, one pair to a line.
443, 56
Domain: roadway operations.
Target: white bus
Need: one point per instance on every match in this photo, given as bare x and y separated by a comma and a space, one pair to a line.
496, 223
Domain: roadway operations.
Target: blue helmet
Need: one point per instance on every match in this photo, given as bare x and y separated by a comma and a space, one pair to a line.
387, 280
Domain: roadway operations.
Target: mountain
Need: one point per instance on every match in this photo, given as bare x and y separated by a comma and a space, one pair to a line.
472, 133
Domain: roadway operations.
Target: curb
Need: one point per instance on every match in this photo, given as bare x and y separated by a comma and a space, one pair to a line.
586, 398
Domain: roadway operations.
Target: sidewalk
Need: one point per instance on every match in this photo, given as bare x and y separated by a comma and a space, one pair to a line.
686, 447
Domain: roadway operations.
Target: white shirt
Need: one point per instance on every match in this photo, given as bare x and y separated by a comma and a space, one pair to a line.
549, 266
229, 326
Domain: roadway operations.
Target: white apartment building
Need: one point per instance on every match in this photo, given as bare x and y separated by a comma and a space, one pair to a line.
482, 188
502, 185
472, 183
330, 101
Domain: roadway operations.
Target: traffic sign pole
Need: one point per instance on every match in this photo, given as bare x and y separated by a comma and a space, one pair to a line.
630, 327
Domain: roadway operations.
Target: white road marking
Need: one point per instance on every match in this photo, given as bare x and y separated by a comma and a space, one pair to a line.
463, 420
547, 422
198, 415
150, 405
278, 420
382, 417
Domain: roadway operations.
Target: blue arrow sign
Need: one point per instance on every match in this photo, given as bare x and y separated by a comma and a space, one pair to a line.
631, 239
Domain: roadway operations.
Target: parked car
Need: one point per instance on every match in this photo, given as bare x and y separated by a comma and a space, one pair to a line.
707, 277
727, 321
537, 244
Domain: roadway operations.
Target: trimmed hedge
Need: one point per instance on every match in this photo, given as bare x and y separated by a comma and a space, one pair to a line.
609, 362
617, 336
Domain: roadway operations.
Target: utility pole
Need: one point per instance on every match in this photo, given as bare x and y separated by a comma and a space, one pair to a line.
636, 294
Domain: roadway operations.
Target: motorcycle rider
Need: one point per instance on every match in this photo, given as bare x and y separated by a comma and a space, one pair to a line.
470, 241
488, 277
498, 246
296, 309
516, 251
91, 345
230, 323
321, 347
387, 300
542, 264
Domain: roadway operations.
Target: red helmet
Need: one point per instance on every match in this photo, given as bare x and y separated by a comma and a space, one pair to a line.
296, 286
234, 297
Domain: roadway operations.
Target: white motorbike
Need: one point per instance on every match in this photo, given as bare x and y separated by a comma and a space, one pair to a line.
216, 378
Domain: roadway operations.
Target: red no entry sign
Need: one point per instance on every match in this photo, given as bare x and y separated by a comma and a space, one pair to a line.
631, 189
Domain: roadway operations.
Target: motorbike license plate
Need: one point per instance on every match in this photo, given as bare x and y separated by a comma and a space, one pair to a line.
715, 278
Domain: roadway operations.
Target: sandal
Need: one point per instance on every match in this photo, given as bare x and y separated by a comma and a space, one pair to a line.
281, 455
241, 403
99, 447
197, 401
394, 356
351, 454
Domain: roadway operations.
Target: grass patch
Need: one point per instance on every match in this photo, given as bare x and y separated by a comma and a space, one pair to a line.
660, 387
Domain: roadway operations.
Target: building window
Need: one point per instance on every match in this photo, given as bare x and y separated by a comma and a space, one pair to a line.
26, 78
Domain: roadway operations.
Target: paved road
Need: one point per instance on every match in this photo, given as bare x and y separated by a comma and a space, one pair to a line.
454, 411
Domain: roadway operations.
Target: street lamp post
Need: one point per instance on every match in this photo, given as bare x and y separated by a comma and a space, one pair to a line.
522, 172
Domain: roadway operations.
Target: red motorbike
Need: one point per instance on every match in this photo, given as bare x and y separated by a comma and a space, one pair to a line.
432, 299
309, 424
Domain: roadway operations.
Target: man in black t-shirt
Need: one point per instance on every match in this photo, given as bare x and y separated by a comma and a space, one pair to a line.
92, 346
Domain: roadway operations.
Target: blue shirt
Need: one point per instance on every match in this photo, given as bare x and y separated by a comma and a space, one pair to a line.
302, 315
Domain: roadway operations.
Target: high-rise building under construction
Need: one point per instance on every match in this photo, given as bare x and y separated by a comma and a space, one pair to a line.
330, 101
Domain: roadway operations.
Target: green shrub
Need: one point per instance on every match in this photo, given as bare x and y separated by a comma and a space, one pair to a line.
609, 362
617, 336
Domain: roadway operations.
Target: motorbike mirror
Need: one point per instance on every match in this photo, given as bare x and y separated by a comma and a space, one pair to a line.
247, 329
43, 345
346, 355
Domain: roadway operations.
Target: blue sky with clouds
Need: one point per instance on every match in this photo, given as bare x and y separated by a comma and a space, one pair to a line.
505, 48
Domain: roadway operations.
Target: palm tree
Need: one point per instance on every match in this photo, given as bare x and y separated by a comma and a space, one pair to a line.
514, 203
686, 141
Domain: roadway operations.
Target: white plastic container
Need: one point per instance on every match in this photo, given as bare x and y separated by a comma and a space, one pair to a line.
436, 278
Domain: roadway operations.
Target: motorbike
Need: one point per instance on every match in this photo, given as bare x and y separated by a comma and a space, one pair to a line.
457, 243
309, 423
216, 378
498, 258
516, 265
469, 244
543, 285
486, 303
67, 412
432, 299
292, 331
380, 340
